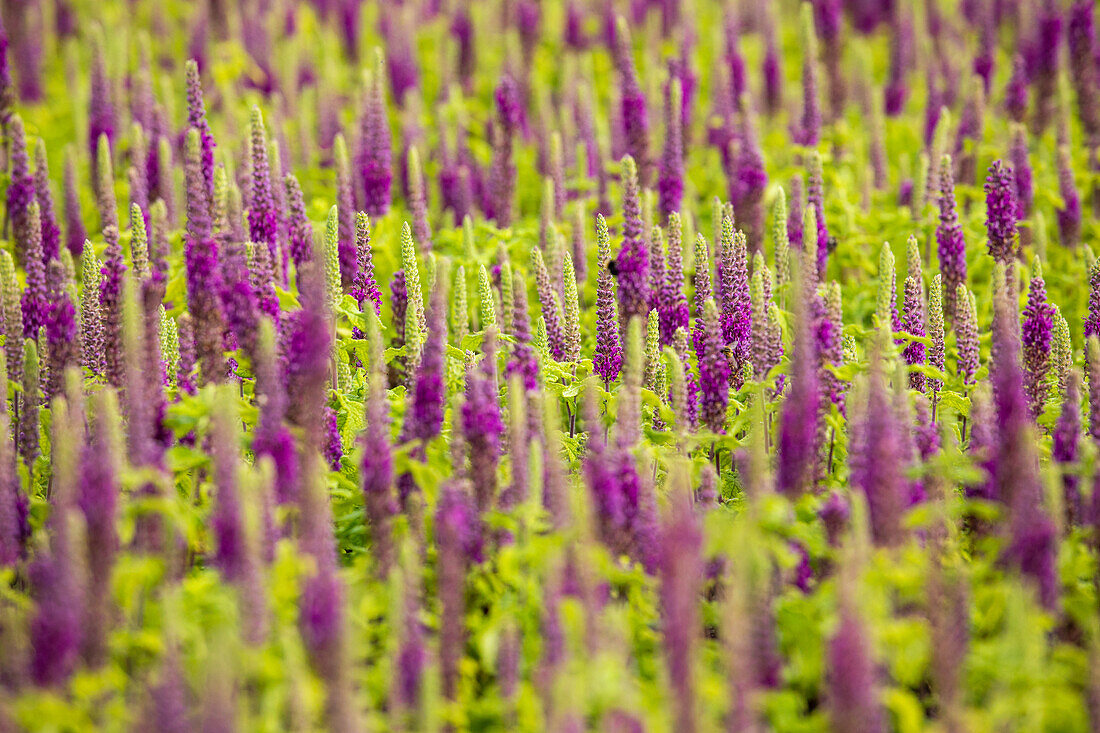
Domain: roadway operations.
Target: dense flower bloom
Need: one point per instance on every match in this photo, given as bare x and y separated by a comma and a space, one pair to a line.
878, 462
609, 355
670, 178
949, 240
798, 420
299, 228
633, 110
913, 318
482, 425
681, 569
632, 263
373, 158
1001, 212
851, 674
1037, 330
809, 127
714, 371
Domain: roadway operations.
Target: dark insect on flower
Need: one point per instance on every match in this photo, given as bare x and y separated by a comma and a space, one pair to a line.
831, 243
613, 267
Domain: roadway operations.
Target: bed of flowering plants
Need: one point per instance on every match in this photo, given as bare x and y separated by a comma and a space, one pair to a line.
619, 365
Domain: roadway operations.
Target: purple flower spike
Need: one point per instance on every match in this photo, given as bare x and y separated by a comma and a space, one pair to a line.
633, 260
1066, 447
425, 415
101, 108
799, 417
523, 361
51, 232
1001, 211
681, 574
815, 197
1037, 333
75, 233
633, 108
1016, 92
1021, 166
809, 126
21, 192
714, 371
196, 118
36, 301
373, 158
1044, 69
458, 537
364, 287
110, 303
1016, 481
482, 425
55, 628
672, 304
949, 239
1069, 216
609, 354
263, 215
1081, 35
878, 462
300, 228
670, 179
850, 677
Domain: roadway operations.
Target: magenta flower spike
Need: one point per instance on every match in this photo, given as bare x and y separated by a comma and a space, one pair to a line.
458, 537
1017, 89
21, 193
1044, 65
798, 431
51, 232
1001, 212
300, 229
373, 157
632, 263
196, 118
681, 572
1066, 448
36, 302
1021, 167
850, 674
670, 177
62, 343
1069, 215
482, 425
377, 473
1037, 330
809, 125
633, 108
523, 360
364, 287
1032, 548
714, 371
672, 303
263, 215
110, 303
101, 108
609, 354
345, 210
75, 233
815, 197
1081, 37
502, 168
424, 419
949, 240
878, 462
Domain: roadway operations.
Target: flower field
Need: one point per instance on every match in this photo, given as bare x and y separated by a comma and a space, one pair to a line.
614, 365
